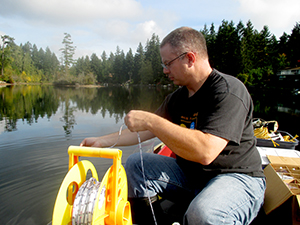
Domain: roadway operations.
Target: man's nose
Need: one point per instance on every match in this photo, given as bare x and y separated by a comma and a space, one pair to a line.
166, 71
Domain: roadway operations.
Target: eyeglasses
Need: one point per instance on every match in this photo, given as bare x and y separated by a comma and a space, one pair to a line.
165, 65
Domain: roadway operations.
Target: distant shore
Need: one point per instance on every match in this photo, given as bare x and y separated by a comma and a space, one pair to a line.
82, 85
2, 83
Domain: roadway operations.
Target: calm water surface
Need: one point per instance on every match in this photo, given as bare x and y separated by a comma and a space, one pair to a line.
39, 123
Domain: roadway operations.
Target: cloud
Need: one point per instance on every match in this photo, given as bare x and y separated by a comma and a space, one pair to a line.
144, 31
98, 25
70, 11
278, 15
95, 25
148, 27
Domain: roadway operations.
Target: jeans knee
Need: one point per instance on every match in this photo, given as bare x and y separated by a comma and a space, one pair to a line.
132, 162
195, 215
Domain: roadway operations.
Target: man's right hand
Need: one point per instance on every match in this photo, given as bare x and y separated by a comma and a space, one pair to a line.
92, 142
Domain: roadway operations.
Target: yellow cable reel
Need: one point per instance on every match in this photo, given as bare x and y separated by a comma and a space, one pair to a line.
111, 205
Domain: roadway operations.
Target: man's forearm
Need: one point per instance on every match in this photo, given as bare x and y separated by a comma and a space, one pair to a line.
190, 144
126, 138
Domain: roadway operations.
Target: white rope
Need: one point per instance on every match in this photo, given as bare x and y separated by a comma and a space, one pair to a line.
146, 185
86, 196
142, 165
120, 132
84, 202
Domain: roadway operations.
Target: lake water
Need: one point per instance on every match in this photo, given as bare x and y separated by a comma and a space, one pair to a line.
39, 123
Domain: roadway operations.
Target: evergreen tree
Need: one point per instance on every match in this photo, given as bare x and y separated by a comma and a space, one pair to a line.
273, 52
146, 72
247, 47
152, 54
54, 67
129, 64
294, 46
96, 67
240, 29
5, 52
17, 54
28, 70
79, 66
283, 44
228, 44
105, 68
109, 66
49, 67
118, 67
205, 32
262, 43
41, 61
264, 54
138, 61
35, 56
68, 52
211, 45
87, 65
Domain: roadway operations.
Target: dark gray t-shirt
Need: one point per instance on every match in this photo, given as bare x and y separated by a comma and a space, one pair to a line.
222, 107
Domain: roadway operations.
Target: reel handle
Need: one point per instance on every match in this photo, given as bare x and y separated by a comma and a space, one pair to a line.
76, 151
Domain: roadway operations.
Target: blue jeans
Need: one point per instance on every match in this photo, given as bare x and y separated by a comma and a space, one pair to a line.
231, 198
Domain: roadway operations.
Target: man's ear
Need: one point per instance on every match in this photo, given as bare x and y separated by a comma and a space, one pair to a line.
191, 58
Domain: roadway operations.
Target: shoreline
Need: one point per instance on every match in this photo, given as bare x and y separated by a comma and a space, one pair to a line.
4, 84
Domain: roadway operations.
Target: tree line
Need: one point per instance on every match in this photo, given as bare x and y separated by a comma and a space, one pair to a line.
26, 63
254, 57
240, 50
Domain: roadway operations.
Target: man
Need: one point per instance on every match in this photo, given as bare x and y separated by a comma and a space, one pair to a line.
207, 124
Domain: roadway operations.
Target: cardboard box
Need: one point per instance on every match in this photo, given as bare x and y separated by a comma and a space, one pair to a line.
265, 152
283, 183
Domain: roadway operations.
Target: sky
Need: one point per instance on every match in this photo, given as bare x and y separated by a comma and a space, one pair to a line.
102, 25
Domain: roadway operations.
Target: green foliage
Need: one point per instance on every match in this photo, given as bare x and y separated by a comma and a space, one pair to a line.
240, 50
27, 103
129, 64
5, 49
29, 65
228, 58
282, 61
254, 57
139, 58
96, 66
118, 65
293, 44
146, 73
247, 79
68, 52
152, 55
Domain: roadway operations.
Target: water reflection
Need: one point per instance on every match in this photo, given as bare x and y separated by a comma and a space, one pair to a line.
68, 118
29, 103
268, 100
26, 103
